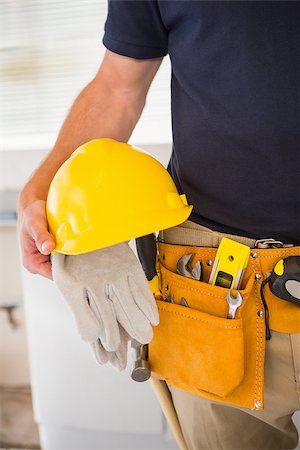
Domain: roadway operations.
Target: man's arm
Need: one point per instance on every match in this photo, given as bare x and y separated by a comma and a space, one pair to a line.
109, 106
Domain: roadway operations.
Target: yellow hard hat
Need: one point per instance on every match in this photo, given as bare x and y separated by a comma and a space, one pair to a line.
109, 192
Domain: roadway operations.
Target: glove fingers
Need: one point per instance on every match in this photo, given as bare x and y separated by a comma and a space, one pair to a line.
99, 352
104, 311
118, 359
143, 297
75, 296
87, 322
129, 314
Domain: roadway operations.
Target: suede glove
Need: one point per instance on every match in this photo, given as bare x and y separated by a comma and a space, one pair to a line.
109, 296
117, 359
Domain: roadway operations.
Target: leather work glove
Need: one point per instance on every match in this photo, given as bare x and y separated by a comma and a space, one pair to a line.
118, 359
110, 298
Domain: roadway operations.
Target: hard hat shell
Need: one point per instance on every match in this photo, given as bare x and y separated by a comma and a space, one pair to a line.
109, 192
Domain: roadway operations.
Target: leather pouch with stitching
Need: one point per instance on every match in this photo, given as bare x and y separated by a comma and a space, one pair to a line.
197, 348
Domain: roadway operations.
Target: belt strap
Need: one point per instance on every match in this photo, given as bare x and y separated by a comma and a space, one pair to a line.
190, 233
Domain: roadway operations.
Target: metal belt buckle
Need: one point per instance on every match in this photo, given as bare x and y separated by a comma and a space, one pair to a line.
271, 243
268, 243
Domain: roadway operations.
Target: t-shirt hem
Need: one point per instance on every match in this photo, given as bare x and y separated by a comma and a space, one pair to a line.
133, 50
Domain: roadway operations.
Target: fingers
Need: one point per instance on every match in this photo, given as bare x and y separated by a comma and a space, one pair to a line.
93, 310
143, 297
99, 352
35, 262
103, 309
88, 323
44, 268
117, 359
35, 241
35, 221
128, 314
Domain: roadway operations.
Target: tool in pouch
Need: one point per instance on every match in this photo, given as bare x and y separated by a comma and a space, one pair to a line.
284, 282
234, 302
227, 271
184, 267
230, 264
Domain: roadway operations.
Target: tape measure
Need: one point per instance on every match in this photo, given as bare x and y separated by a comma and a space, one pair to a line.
284, 280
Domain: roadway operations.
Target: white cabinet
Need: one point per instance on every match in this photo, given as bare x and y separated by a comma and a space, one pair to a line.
13, 350
10, 276
78, 403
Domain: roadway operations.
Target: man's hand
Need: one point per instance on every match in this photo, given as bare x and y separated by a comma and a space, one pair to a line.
35, 240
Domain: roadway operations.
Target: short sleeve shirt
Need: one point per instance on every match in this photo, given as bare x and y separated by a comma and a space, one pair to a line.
235, 94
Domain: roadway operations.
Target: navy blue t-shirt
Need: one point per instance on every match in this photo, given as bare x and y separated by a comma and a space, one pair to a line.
235, 105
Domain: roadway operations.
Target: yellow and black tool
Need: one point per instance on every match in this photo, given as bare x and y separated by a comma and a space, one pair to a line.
146, 249
284, 280
230, 264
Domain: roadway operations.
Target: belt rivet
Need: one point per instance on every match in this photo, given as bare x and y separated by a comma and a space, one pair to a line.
260, 313
257, 276
209, 262
257, 405
254, 255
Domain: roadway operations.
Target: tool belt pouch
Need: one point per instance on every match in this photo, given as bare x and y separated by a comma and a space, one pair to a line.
196, 347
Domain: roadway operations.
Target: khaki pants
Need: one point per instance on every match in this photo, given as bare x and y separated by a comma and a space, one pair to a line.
210, 425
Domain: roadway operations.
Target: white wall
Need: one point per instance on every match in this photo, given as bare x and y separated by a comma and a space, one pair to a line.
16, 166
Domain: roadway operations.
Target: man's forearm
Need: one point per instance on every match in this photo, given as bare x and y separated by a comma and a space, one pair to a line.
98, 112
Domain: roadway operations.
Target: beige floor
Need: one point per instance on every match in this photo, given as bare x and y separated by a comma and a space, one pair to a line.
17, 428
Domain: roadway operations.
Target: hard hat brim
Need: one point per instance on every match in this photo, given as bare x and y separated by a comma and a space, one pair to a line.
97, 238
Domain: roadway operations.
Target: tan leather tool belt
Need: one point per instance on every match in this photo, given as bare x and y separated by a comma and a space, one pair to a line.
196, 347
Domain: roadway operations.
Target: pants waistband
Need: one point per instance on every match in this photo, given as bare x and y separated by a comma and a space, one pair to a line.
190, 233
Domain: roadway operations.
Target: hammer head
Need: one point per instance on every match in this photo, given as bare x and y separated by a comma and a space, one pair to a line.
141, 370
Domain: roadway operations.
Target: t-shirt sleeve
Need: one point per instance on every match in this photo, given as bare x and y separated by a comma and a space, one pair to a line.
135, 29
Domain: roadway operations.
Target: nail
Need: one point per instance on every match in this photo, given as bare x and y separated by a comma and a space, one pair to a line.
46, 247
